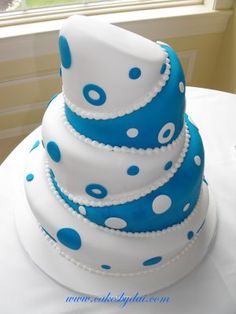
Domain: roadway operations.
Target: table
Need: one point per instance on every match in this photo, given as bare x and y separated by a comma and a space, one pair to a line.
211, 288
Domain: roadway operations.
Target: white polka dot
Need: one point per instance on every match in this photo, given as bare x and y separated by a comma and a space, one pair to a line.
82, 210
161, 204
170, 127
186, 207
181, 87
197, 160
115, 223
132, 132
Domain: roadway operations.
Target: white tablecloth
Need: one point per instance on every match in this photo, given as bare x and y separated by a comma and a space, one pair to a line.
211, 288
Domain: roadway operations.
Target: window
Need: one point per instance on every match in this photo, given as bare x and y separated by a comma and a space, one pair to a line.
17, 11
23, 5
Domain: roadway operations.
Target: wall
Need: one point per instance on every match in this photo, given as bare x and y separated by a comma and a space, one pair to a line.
225, 73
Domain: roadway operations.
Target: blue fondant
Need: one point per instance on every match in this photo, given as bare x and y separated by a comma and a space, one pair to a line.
134, 73
49, 234
96, 190
190, 235
52, 173
51, 99
152, 261
64, 52
133, 170
54, 151
69, 238
163, 68
168, 165
168, 105
98, 90
184, 187
105, 266
166, 133
36, 144
29, 177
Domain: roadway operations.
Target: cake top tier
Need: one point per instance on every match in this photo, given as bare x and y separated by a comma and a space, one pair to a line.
108, 72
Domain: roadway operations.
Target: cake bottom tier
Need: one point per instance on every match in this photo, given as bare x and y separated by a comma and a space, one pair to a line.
92, 259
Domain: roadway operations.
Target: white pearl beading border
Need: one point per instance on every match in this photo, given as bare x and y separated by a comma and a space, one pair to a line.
134, 195
123, 149
116, 274
147, 234
140, 104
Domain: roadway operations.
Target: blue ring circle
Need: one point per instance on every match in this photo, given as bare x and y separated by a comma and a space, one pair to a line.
95, 88
90, 190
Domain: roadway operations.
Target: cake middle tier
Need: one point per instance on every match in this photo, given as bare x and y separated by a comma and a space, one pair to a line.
98, 175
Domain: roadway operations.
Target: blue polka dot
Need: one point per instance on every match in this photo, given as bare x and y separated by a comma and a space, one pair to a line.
133, 170
152, 261
70, 238
190, 235
36, 144
29, 177
168, 165
105, 266
163, 68
95, 101
64, 52
54, 151
96, 190
134, 73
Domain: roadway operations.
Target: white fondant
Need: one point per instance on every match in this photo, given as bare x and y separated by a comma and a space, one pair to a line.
94, 95
105, 44
109, 243
186, 207
89, 162
191, 120
167, 127
197, 160
181, 87
115, 223
82, 210
161, 204
132, 132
